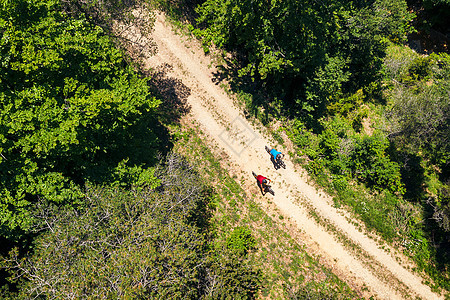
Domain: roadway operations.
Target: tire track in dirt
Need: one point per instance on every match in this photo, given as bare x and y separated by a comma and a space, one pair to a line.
215, 112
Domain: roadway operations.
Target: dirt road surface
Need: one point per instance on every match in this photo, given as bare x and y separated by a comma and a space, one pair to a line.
218, 117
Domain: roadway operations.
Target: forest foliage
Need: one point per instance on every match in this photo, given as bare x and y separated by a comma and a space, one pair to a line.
80, 131
311, 52
92, 203
69, 104
150, 242
366, 113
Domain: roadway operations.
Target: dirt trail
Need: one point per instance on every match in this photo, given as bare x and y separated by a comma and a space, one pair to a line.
219, 118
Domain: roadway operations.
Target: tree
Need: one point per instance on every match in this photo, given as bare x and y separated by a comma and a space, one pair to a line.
71, 110
420, 117
133, 244
116, 16
371, 164
420, 125
309, 53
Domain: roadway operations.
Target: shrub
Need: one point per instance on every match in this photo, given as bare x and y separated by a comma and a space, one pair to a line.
340, 183
241, 240
420, 68
370, 164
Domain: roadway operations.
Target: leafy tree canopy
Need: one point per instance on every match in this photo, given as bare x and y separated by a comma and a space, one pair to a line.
420, 116
71, 110
132, 244
310, 52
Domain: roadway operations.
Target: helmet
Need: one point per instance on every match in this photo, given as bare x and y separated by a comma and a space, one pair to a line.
264, 181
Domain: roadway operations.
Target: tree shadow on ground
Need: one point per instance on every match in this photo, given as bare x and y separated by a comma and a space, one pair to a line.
412, 174
183, 10
439, 240
173, 93
414, 179
266, 101
431, 24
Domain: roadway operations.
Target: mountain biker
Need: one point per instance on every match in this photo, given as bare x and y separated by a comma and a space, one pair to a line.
276, 157
263, 183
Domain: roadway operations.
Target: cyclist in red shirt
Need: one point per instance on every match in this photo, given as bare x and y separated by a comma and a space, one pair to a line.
263, 182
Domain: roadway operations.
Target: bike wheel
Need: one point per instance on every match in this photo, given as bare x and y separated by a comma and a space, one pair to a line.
267, 149
254, 174
269, 189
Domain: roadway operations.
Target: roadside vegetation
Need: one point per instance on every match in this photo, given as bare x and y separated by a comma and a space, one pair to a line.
97, 197
286, 269
93, 201
369, 117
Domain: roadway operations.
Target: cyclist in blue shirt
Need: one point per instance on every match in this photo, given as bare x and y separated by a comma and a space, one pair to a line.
276, 157
276, 154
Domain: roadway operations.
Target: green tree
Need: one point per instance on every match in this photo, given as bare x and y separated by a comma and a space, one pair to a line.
133, 244
420, 116
309, 53
71, 110
371, 164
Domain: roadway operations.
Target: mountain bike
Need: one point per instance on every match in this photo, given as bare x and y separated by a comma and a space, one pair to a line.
281, 163
268, 188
